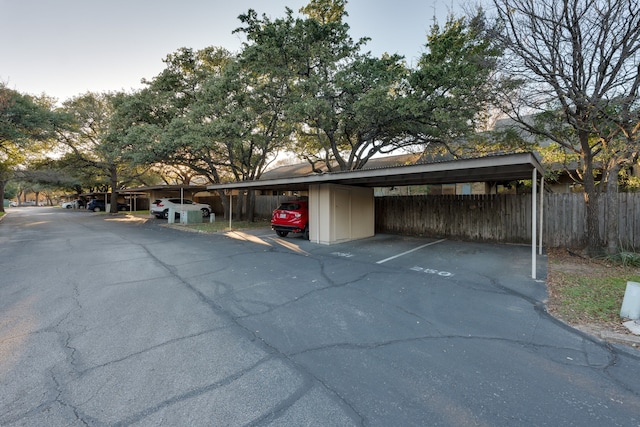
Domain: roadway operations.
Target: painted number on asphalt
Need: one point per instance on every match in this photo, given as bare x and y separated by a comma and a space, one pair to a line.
342, 254
432, 271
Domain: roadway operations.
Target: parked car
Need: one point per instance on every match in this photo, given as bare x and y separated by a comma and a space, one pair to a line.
13, 204
291, 217
160, 207
70, 205
98, 205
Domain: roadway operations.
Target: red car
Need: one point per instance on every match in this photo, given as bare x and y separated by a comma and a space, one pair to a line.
291, 217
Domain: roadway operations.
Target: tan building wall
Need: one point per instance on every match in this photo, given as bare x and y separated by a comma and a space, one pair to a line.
339, 213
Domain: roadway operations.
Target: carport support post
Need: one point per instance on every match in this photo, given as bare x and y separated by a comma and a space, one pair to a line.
541, 212
534, 198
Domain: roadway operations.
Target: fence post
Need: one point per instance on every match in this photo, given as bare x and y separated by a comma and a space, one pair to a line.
541, 211
534, 198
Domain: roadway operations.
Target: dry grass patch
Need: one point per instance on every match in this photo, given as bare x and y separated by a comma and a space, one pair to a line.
222, 225
584, 291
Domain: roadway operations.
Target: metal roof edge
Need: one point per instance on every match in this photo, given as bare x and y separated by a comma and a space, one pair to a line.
502, 160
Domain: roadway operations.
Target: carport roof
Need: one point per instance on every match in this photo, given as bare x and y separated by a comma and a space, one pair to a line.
144, 190
506, 167
167, 187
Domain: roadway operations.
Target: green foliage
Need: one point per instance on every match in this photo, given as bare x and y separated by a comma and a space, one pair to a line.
325, 11
26, 125
348, 106
23, 119
629, 182
160, 124
10, 190
625, 258
327, 85
303, 84
240, 113
96, 143
454, 85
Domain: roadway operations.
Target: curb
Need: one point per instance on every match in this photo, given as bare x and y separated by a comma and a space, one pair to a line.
630, 340
610, 336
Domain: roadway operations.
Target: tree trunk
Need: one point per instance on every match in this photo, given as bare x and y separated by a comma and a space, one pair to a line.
114, 190
251, 205
591, 196
239, 205
612, 211
594, 243
2, 184
224, 199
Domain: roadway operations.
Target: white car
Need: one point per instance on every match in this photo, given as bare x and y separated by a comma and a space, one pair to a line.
160, 207
70, 205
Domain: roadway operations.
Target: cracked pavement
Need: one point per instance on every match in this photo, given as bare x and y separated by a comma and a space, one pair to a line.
113, 321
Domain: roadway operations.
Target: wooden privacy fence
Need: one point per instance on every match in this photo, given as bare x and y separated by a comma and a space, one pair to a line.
496, 218
503, 218
471, 217
565, 217
265, 205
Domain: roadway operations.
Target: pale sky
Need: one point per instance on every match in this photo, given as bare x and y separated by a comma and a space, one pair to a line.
65, 48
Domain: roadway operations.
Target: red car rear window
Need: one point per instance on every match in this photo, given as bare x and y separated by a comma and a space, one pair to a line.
289, 207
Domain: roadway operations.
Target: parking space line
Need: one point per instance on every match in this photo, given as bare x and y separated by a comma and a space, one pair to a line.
409, 251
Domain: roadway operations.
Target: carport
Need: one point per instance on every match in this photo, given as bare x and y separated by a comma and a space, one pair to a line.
341, 204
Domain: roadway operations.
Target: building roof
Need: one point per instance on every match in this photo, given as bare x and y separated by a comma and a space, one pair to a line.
166, 187
304, 169
507, 167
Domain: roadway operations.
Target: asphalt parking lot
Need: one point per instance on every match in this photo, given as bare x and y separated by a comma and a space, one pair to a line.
109, 320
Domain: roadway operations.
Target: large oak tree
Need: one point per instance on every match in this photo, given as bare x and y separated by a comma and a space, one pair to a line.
349, 106
95, 141
26, 123
579, 61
